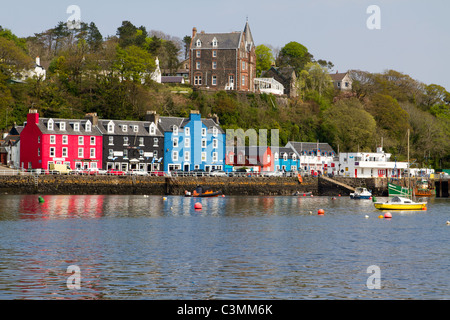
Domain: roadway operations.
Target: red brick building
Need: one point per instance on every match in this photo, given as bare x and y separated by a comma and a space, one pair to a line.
223, 61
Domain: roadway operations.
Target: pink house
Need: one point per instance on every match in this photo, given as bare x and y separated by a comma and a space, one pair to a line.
76, 142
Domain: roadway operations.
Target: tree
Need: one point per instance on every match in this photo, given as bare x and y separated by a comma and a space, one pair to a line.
94, 38
294, 54
126, 34
348, 125
133, 63
264, 59
187, 44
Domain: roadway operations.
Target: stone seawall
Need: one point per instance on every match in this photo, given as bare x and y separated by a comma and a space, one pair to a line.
60, 184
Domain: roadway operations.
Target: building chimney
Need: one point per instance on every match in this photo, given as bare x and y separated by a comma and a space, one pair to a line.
92, 117
152, 116
194, 32
215, 118
33, 116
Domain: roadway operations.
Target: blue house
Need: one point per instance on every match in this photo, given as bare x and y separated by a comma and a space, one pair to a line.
286, 160
193, 143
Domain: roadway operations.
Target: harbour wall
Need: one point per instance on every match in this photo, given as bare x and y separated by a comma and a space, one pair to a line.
78, 184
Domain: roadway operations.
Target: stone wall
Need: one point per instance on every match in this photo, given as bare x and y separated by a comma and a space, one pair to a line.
60, 184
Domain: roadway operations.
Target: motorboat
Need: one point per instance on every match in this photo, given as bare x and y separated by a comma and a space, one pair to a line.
361, 193
400, 203
201, 191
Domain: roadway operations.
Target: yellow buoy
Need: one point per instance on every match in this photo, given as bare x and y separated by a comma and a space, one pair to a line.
381, 216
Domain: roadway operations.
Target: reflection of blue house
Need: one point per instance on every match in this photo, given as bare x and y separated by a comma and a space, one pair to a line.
192, 143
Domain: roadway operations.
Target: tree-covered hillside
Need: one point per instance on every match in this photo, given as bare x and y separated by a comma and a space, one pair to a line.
111, 76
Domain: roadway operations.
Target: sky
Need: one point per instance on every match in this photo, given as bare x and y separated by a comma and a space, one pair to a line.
412, 36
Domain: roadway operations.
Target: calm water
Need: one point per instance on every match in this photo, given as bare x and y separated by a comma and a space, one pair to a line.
136, 247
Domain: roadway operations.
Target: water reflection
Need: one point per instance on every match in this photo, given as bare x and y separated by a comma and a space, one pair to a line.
155, 247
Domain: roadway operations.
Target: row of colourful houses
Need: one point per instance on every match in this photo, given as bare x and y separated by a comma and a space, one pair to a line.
156, 144
174, 143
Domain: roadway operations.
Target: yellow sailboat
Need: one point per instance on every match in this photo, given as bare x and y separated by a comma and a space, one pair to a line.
400, 203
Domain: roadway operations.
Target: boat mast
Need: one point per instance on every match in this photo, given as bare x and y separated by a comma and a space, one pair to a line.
409, 171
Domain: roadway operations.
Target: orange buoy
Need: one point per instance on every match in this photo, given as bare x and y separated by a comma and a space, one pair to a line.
424, 208
321, 212
387, 215
198, 206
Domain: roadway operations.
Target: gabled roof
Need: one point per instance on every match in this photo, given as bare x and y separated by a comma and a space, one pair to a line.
338, 76
42, 125
167, 123
143, 127
224, 40
309, 147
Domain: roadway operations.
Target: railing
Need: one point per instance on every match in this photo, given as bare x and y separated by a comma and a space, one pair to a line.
37, 172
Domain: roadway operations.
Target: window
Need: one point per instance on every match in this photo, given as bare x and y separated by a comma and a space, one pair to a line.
64, 152
88, 126
50, 124
214, 156
141, 141
187, 142
203, 156
124, 128
111, 141
214, 53
141, 153
80, 153
175, 156
231, 158
39, 139
203, 143
214, 64
125, 141
155, 154
186, 156
198, 80
39, 152
243, 65
92, 141
152, 130
125, 153
65, 139
62, 126
135, 128
198, 53
198, 43
110, 153
76, 126
52, 139
155, 142
92, 153
197, 65
175, 130
110, 127
243, 80
214, 131
276, 156
80, 140
214, 42
203, 131
215, 143
93, 165
187, 131
285, 157
175, 142
214, 80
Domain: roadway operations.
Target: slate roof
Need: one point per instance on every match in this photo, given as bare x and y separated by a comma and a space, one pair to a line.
143, 128
42, 125
224, 40
167, 123
310, 147
338, 76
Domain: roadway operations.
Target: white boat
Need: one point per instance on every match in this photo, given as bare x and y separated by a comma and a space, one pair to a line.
361, 193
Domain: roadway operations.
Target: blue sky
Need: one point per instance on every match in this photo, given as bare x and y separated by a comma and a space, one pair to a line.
414, 37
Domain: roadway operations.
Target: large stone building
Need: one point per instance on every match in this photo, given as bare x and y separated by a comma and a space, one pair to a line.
223, 61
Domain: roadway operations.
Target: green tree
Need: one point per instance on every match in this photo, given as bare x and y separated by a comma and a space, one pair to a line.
127, 33
264, 59
133, 63
294, 54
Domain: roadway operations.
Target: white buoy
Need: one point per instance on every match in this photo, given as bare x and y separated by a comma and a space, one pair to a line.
366, 216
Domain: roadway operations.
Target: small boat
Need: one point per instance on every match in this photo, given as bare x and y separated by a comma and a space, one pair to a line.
201, 191
304, 194
361, 193
422, 189
400, 203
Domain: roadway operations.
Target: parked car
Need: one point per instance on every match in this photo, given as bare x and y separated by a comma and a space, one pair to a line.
273, 174
156, 173
139, 172
218, 173
115, 173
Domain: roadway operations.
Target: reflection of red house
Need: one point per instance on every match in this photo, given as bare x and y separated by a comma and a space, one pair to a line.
252, 156
76, 142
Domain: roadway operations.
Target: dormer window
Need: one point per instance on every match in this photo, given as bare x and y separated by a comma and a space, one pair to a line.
124, 128
214, 131
62, 126
214, 43
135, 128
111, 127
152, 129
50, 124
76, 126
88, 126
175, 130
198, 43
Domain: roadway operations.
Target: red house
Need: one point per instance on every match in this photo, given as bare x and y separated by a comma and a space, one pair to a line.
76, 142
253, 156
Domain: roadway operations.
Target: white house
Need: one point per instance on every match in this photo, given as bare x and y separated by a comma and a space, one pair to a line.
368, 165
38, 72
342, 81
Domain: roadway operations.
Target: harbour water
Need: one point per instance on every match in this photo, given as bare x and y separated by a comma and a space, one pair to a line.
151, 247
